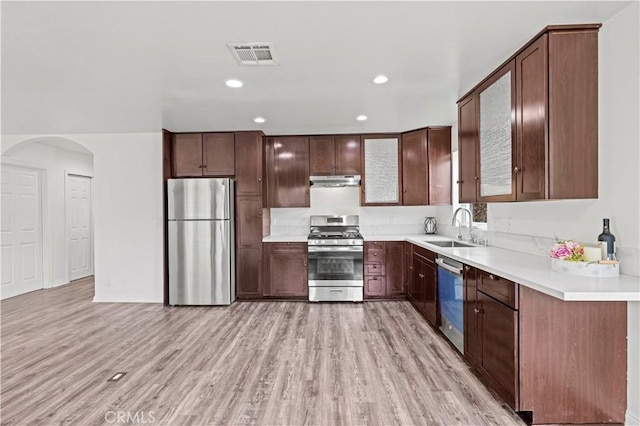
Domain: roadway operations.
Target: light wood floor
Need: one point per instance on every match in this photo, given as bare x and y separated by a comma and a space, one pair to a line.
265, 363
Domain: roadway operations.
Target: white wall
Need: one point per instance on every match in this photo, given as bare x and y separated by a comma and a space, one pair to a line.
127, 201
55, 162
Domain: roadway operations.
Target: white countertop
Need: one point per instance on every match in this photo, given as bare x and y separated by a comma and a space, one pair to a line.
525, 269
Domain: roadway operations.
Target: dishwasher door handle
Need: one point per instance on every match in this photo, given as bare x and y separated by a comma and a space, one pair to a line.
452, 269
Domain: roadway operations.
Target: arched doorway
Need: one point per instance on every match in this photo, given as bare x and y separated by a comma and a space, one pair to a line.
61, 245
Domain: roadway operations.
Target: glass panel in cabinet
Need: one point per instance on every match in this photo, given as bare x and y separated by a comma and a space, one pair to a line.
495, 138
381, 170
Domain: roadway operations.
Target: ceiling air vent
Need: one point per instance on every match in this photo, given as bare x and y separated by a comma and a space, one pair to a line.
253, 53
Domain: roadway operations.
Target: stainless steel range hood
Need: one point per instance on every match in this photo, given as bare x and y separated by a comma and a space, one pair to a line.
335, 181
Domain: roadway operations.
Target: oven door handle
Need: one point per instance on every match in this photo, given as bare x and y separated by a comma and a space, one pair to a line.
315, 249
452, 269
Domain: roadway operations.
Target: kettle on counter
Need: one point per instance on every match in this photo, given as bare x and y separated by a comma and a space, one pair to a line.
430, 225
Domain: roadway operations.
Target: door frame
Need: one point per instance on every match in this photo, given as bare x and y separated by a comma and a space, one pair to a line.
68, 173
46, 267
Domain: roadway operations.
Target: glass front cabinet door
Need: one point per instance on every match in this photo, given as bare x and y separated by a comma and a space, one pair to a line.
497, 136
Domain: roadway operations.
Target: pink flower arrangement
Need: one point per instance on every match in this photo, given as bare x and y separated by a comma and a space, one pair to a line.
567, 250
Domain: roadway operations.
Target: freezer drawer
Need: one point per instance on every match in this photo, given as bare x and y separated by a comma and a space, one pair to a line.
201, 269
335, 294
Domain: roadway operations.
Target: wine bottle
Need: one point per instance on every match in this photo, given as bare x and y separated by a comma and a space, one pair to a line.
609, 239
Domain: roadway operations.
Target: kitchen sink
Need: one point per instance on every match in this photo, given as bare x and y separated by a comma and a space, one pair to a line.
449, 244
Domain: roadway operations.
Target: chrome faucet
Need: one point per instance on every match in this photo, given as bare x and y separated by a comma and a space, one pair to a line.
472, 236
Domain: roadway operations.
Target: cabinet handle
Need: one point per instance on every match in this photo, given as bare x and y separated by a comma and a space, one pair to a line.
304, 263
491, 277
466, 267
476, 310
459, 181
404, 190
259, 213
421, 275
476, 177
259, 179
517, 170
410, 267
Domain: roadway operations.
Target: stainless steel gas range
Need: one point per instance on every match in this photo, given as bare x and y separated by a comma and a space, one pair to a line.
336, 259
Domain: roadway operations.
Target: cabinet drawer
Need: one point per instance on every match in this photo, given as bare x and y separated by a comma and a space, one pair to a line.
429, 255
374, 255
501, 289
288, 247
373, 269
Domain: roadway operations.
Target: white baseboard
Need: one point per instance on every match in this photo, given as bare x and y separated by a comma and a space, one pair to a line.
632, 419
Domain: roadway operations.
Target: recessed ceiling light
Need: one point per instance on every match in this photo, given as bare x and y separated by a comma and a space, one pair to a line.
381, 79
234, 83
259, 120
361, 117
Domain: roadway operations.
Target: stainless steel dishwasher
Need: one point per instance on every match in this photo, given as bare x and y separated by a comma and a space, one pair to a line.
450, 297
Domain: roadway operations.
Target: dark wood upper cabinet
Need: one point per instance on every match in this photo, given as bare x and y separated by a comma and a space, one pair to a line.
348, 160
334, 155
534, 122
288, 171
468, 149
218, 153
187, 154
249, 163
531, 112
208, 154
426, 167
322, 155
439, 161
415, 182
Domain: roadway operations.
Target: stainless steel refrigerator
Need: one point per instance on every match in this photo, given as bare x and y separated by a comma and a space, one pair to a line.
201, 242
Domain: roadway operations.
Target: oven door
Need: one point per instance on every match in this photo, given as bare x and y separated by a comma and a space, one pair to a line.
335, 266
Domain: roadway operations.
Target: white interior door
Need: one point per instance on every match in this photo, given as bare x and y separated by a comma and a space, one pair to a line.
21, 231
79, 229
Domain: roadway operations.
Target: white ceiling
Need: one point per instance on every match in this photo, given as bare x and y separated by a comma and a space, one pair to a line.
108, 67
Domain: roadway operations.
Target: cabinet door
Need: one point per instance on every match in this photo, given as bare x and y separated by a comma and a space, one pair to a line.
394, 268
416, 286
289, 174
439, 160
218, 153
499, 331
249, 164
249, 221
249, 272
348, 160
374, 286
472, 344
187, 154
288, 271
531, 118
497, 135
382, 172
414, 168
467, 149
408, 270
322, 155
431, 293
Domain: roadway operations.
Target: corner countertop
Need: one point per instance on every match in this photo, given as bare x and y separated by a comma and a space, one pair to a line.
525, 269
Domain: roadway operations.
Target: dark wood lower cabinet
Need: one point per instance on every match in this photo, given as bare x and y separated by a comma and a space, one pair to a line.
553, 361
423, 286
286, 269
249, 273
384, 269
498, 329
